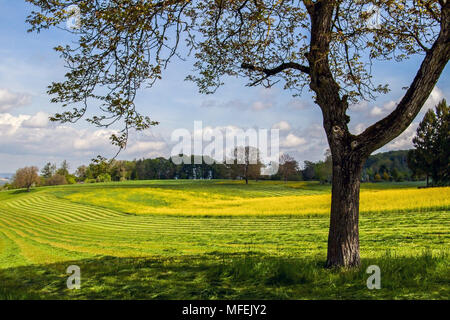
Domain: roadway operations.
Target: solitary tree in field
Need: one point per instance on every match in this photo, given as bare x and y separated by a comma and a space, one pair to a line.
288, 166
328, 46
246, 163
26, 177
431, 155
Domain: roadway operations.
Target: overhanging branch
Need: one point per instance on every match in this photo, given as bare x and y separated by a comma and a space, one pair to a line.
280, 68
426, 78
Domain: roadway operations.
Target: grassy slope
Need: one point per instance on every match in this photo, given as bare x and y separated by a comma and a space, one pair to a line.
167, 256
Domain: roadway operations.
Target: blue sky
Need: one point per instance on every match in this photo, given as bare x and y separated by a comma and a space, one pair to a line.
28, 65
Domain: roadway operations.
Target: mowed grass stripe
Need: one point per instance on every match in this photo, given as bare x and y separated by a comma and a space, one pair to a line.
46, 217
42, 226
58, 205
134, 225
72, 246
63, 210
255, 233
10, 253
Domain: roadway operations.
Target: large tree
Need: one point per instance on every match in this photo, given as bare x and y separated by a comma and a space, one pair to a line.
246, 163
288, 166
328, 46
431, 155
26, 178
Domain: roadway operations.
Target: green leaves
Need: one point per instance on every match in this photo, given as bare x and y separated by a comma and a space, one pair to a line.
432, 142
123, 45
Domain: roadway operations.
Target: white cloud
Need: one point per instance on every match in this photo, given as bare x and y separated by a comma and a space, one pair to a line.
90, 140
10, 100
404, 141
435, 97
298, 104
384, 109
360, 106
31, 135
313, 146
265, 99
237, 104
359, 128
282, 126
145, 147
259, 105
376, 111
9, 124
223, 104
292, 140
39, 120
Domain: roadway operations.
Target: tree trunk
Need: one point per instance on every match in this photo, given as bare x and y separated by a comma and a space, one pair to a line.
246, 172
343, 238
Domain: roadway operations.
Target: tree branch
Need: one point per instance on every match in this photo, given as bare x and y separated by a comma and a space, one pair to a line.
280, 68
431, 68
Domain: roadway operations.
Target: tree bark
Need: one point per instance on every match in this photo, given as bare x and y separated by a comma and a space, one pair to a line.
343, 237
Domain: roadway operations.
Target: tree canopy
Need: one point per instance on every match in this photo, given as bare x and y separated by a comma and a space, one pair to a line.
26, 178
123, 45
432, 142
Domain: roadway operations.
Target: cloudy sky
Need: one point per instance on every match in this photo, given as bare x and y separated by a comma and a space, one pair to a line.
28, 65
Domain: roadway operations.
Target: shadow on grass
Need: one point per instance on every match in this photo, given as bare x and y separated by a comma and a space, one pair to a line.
23, 191
230, 276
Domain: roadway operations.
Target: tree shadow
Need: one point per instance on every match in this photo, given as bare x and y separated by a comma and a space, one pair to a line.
228, 276
23, 191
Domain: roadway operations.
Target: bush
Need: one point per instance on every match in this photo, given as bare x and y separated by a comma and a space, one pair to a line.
71, 179
56, 180
104, 177
90, 181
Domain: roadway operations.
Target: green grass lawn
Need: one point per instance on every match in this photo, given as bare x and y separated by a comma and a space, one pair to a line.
160, 256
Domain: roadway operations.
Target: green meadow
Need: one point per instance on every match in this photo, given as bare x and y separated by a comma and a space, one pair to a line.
218, 240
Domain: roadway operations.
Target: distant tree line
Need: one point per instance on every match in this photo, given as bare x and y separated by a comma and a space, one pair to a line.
430, 161
388, 166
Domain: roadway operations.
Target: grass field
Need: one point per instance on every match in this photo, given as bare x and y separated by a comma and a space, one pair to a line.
218, 239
